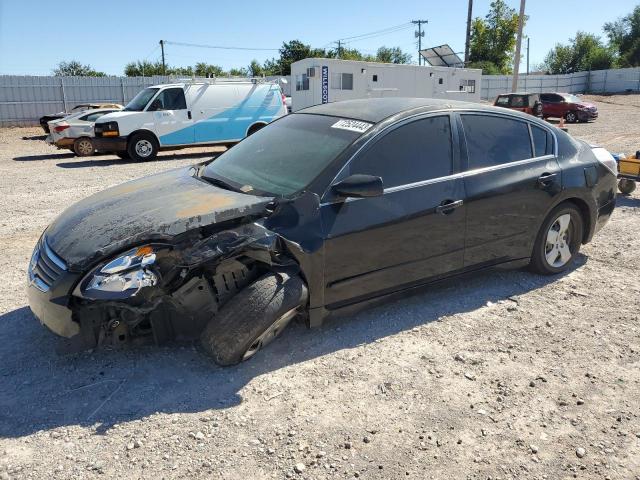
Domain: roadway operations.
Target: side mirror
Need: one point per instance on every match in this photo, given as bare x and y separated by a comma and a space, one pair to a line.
359, 186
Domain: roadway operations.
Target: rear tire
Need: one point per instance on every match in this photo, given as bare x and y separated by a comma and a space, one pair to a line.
83, 147
142, 147
253, 317
558, 241
626, 186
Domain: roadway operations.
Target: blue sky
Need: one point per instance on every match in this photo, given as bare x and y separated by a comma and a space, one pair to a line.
36, 35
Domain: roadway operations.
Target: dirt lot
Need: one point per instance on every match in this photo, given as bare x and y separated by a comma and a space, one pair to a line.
502, 375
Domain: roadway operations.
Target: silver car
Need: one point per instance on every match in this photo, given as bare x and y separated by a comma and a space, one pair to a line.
75, 131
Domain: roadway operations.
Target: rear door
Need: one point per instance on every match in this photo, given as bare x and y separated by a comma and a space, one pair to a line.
552, 105
172, 119
511, 180
414, 231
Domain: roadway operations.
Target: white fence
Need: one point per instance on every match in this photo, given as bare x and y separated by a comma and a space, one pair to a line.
24, 99
597, 81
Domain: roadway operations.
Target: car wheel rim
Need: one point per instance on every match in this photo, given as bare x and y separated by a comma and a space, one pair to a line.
144, 148
571, 117
85, 147
557, 248
270, 333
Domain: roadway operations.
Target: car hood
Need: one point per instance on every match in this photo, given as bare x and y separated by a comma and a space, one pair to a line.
153, 208
115, 116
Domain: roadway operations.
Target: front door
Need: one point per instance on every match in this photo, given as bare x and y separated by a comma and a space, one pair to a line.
172, 119
413, 232
510, 182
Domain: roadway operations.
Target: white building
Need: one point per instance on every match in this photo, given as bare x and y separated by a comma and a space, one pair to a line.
323, 80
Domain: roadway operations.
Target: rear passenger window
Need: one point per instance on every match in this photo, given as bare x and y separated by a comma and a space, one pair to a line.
493, 140
542, 141
414, 152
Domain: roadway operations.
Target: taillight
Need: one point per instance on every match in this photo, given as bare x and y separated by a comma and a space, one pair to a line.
606, 159
284, 98
60, 128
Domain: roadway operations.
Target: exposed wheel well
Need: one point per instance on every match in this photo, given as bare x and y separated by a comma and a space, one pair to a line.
584, 213
146, 132
255, 127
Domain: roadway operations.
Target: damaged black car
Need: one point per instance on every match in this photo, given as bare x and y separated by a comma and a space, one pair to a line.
321, 212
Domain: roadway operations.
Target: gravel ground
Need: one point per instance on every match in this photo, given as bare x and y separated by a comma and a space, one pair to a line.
500, 375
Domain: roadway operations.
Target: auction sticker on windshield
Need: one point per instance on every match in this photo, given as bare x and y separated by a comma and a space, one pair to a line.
353, 125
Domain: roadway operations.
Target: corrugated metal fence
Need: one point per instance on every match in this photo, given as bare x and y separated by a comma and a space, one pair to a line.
597, 81
24, 99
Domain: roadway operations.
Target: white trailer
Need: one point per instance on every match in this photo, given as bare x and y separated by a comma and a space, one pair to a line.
324, 80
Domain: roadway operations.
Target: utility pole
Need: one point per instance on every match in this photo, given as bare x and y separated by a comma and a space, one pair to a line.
164, 67
516, 61
339, 42
528, 38
419, 34
468, 38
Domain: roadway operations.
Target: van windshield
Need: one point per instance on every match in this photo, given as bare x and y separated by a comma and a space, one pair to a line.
140, 100
284, 157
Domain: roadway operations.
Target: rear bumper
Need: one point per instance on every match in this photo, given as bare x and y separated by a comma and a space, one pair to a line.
61, 142
113, 144
604, 214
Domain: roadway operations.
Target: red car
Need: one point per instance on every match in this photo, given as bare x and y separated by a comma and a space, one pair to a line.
567, 106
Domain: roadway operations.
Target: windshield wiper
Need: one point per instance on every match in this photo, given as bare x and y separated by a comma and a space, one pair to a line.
222, 184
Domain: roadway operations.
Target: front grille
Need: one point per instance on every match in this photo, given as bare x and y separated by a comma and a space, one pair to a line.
45, 267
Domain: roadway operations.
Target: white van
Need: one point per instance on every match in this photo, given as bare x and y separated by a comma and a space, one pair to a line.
186, 114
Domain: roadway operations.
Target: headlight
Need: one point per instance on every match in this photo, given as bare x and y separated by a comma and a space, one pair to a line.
122, 277
106, 129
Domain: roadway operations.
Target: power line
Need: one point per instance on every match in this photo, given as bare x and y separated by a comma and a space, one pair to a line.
201, 45
376, 33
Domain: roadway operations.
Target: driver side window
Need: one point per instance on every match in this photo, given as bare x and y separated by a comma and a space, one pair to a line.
414, 152
169, 99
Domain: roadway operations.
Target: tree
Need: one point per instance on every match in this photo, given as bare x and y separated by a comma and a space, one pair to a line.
74, 68
143, 68
392, 55
238, 72
203, 69
583, 52
624, 37
255, 69
493, 39
293, 51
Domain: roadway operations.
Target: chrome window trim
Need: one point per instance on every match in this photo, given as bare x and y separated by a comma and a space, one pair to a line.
454, 176
449, 112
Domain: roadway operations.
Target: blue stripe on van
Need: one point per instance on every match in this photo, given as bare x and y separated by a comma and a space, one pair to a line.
232, 123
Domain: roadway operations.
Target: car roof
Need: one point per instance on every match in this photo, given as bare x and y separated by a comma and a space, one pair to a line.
375, 110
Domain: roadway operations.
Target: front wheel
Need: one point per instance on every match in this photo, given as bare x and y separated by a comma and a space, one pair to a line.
558, 241
571, 117
142, 147
251, 319
83, 147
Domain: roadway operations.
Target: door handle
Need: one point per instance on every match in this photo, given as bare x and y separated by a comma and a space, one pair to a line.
448, 206
189, 114
546, 179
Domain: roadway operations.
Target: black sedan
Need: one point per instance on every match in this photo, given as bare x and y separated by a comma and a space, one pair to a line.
317, 213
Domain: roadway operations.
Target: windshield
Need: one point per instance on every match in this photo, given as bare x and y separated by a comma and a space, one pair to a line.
285, 157
140, 100
572, 98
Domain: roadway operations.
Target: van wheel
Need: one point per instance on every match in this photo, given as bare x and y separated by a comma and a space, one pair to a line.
558, 241
142, 147
83, 147
254, 128
251, 319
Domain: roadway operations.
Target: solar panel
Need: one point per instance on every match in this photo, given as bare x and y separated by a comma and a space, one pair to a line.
442, 56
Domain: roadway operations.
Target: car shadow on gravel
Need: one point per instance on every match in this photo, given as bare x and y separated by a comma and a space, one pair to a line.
41, 390
627, 201
46, 156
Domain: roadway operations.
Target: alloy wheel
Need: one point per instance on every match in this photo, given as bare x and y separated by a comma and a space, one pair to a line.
85, 147
557, 251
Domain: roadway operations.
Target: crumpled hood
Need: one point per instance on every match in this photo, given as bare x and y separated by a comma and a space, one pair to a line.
156, 207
